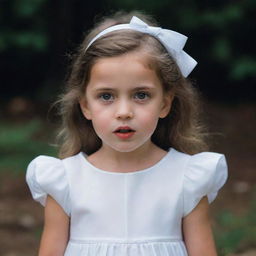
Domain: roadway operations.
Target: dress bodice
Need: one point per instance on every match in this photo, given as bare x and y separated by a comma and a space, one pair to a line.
134, 213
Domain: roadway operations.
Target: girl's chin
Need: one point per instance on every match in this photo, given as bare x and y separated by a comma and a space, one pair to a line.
127, 148
124, 149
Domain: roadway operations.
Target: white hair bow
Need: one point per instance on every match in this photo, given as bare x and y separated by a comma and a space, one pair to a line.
171, 40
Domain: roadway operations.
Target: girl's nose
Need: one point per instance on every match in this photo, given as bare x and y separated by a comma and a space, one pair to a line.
124, 110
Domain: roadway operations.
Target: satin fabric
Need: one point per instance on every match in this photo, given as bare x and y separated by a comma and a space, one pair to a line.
133, 214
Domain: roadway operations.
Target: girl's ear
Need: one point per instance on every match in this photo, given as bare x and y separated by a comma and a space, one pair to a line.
84, 108
167, 104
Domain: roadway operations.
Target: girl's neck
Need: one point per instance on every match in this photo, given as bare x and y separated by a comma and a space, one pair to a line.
115, 161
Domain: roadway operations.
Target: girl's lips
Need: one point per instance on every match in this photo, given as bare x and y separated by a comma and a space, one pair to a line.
124, 129
124, 132
125, 135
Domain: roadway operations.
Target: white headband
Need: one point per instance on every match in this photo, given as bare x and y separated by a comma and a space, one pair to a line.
172, 41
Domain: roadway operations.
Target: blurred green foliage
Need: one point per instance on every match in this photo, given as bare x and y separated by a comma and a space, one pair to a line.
234, 233
23, 26
26, 8
19, 144
40, 32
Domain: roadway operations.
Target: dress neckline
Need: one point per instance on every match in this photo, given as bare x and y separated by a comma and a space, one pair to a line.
83, 157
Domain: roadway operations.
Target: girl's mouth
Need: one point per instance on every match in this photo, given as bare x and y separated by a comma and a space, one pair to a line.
124, 132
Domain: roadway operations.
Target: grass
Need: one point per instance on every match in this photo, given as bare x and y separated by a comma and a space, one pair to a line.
20, 143
236, 233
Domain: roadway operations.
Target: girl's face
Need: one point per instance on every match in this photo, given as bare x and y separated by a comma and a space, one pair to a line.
124, 100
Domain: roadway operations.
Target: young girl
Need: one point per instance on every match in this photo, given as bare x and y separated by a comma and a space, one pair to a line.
132, 179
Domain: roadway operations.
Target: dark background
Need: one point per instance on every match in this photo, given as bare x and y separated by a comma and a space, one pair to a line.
36, 37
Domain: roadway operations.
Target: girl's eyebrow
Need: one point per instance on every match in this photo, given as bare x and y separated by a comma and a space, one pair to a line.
143, 88
139, 88
104, 89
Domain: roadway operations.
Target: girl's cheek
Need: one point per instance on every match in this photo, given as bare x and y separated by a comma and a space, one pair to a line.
102, 112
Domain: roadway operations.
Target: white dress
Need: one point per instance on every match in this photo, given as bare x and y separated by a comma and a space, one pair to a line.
127, 214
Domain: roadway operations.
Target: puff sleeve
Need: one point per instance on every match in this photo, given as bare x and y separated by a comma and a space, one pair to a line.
206, 173
46, 176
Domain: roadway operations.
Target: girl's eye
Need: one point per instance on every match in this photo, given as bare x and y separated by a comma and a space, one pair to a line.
106, 96
142, 95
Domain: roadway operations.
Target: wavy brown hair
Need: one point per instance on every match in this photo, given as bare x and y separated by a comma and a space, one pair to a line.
180, 129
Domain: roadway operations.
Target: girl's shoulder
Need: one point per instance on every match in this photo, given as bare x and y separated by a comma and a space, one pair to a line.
202, 162
204, 175
47, 175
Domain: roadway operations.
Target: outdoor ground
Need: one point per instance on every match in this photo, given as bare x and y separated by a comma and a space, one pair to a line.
233, 219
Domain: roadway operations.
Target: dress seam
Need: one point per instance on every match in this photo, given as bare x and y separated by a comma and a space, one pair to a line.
185, 167
125, 207
126, 241
156, 165
65, 167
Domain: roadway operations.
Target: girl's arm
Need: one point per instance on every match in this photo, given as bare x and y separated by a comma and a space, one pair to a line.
197, 231
56, 230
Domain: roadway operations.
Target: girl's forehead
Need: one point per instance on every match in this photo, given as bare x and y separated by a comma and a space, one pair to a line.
126, 69
134, 57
